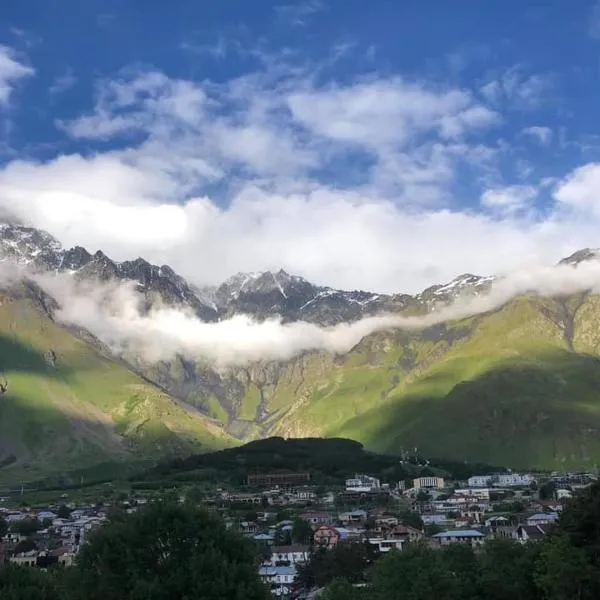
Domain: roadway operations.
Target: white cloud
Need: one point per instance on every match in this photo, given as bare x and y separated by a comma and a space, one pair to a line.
581, 189
11, 71
509, 198
385, 113
542, 134
346, 185
516, 89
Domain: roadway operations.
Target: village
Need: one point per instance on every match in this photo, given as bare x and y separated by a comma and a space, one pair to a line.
290, 520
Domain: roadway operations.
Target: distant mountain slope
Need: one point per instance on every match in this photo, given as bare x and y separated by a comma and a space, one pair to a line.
518, 386
67, 406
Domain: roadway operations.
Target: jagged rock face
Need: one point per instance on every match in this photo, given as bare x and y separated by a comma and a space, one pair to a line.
295, 299
261, 295
30, 246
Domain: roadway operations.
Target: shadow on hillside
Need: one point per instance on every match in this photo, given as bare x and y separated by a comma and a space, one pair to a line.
16, 356
544, 414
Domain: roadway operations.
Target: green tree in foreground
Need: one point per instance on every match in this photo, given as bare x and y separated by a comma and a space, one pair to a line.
25, 583
166, 552
341, 589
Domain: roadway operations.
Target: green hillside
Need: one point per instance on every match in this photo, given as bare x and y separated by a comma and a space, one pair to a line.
519, 387
69, 407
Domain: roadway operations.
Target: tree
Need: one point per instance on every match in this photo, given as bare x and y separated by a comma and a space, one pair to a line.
506, 570
461, 560
580, 521
412, 519
3, 527
25, 546
282, 537
27, 526
164, 551
341, 589
348, 560
417, 573
24, 583
564, 573
302, 532
547, 490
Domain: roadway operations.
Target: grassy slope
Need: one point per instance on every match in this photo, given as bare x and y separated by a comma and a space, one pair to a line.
81, 409
519, 386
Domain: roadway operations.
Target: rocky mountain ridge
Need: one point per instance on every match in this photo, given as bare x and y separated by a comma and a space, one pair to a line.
260, 294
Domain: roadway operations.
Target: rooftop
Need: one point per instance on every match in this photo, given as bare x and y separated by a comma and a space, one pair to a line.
459, 533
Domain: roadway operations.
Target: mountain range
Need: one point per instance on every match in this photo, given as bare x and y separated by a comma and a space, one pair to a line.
517, 386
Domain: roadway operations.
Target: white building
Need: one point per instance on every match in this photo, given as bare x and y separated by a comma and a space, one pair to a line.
478, 494
384, 545
424, 483
500, 480
477, 481
362, 483
560, 494
295, 554
513, 479
279, 579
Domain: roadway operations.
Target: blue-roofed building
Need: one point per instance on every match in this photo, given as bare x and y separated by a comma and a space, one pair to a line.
472, 537
542, 518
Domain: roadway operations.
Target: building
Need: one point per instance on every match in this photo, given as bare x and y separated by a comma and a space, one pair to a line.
294, 554
280, 580
512, 480
25, 559
271, 479
479, 481
406, 533
480, 493
385, 545
530, 533
354, 517
328, 536
461, 536
500, 480
318, 517
428, 483
362, 483
542, 518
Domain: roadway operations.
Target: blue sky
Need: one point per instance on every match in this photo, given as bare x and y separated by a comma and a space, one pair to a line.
383, 145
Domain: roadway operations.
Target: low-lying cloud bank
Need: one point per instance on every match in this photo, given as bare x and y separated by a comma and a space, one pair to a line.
113, 312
